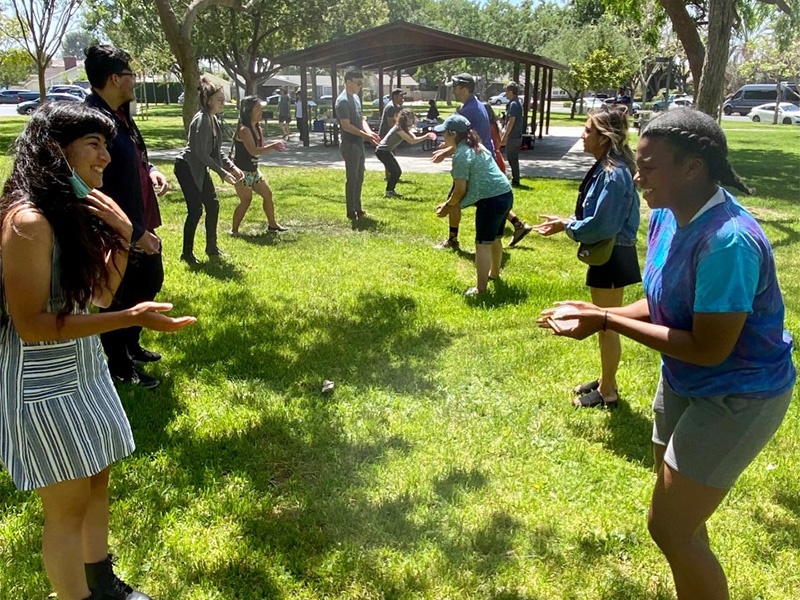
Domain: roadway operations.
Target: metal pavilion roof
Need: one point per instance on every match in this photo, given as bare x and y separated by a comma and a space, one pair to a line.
402, 45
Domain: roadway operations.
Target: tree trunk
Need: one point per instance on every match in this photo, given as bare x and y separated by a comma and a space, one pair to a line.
686, 30
721, 15
178, 33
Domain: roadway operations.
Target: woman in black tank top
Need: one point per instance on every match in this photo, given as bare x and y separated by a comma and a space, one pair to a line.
248, 145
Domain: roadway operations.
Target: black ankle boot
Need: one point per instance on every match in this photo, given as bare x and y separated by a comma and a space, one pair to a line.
105, 585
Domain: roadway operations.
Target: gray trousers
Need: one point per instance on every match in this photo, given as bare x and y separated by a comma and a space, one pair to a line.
353, 155
512, 153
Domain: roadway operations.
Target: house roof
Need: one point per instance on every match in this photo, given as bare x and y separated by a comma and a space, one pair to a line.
402, 45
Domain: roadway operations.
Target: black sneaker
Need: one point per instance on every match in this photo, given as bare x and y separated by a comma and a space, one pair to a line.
134, 377
141, 355
190, 259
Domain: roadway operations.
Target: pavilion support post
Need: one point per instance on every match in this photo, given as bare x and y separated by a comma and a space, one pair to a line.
380, 89
399, 79
334, 90
527, 96
534, 102
549, 99
304, 91
516, 71
542, 100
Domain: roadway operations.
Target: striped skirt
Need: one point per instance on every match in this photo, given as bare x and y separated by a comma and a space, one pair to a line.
60, 416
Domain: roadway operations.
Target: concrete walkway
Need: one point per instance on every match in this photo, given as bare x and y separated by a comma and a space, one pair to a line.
558, 155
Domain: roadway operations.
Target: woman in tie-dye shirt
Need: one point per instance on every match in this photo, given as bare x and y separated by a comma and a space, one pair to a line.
714, 311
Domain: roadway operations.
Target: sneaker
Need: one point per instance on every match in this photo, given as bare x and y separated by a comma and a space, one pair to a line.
473, 291
216, 254
190, 259
392, 194
361, 214
448, 244
233, 233
134, 377
519, 233
516, 184
277, 228
104, 584
352, 216
144, 356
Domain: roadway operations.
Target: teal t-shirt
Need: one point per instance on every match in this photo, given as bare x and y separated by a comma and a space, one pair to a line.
483, 176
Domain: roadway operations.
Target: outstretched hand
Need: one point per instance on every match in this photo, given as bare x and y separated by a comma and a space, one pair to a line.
550, 226
583, 320
149, 315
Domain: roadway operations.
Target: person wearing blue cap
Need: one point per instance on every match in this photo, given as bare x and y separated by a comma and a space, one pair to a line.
477, 181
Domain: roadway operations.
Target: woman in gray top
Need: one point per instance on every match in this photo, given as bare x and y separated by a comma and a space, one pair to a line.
400, 132
203, 151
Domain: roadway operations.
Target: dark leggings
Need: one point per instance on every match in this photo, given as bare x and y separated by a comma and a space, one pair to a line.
392, 168
196, 199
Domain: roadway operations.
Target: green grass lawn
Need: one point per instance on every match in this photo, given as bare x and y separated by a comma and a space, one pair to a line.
448, 462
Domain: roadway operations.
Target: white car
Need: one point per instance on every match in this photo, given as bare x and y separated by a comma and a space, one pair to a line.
685, 102
499, 99
788, 113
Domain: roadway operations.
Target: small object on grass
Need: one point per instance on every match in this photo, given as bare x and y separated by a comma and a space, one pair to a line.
327, 386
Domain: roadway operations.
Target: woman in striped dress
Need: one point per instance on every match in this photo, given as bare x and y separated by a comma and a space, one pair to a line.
64, 245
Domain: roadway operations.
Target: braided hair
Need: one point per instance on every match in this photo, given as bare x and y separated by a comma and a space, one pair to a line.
692, 132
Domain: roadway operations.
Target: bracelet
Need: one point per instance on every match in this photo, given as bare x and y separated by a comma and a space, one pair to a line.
605, 320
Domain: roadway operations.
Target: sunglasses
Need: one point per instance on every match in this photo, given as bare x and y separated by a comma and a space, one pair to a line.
129, 73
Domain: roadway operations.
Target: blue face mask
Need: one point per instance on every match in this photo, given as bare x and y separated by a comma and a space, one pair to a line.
78, 185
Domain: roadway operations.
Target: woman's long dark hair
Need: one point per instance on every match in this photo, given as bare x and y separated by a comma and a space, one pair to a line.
246, 107
39, 179
406, 119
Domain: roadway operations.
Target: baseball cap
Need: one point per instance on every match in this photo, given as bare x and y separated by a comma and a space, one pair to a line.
462, 79
398, 91
455, 123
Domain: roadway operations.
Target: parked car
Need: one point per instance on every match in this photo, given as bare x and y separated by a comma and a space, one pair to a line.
26, 95
499, 99
325, 99
788, 113
635, 106
11, 96
386, 100
75, 90
754, 94
679, 99
181, 96
593, 102
27, 108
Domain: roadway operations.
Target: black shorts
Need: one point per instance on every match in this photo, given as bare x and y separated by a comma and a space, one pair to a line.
490, 217
622, 269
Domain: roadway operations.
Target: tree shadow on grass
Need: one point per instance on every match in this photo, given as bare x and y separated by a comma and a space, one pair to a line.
773, 173
378, 342
626, 433
787, 227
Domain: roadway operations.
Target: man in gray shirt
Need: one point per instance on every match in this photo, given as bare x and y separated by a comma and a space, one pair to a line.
283, 112
354, 131
390, 112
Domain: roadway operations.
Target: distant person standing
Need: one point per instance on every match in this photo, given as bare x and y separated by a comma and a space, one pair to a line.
512, 134
390, 112
302, 121
623, 98
203, 151
283, 112
354, 131
433, 111
133, 182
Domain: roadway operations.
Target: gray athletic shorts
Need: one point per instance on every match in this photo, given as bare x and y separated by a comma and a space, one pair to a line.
712, 440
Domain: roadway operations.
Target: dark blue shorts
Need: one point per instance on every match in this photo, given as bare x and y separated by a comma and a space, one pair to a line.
490, 217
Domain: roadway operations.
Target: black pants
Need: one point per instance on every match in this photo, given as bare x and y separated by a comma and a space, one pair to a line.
302, 127
196, 199
393, 169
143, 279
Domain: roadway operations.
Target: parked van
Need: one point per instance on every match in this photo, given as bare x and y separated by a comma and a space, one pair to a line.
753, 94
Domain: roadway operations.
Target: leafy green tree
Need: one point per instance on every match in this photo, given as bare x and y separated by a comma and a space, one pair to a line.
75, 42
691, 20
15, 66
39, 27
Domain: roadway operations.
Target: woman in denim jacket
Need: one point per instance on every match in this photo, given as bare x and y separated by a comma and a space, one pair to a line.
607, 206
